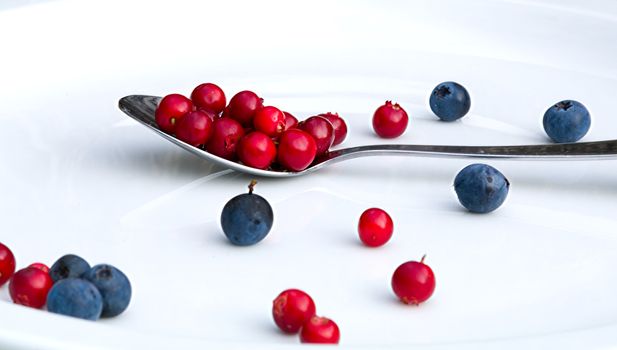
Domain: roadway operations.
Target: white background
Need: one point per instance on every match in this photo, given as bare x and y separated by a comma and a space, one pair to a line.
77, 176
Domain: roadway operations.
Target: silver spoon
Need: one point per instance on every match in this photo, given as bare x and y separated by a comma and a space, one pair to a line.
141, 108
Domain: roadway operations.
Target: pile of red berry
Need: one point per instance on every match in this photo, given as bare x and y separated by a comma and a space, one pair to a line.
294, 311
259, 136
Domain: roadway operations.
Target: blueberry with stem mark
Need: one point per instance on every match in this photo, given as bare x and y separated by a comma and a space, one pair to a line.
566, 121
68, 266
450, 101
247, 218
481, 188
114, 287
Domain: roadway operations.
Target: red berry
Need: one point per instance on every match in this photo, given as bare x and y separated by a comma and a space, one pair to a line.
390, 120
321, 130
340, 128
291, 309
209, 97
256, 150
375, 227
226, 133
320, 330
7, 264
30, 286
290, 121
210, 115
242, 107
195, 128
40, 266
170, 110
297, 150
413, 282
269, 120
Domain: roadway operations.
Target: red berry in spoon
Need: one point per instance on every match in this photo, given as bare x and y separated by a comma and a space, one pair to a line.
40, 266
7, 264
340, 127
30, 286
170, 110
296, 150
321, 130
291, 309
242, 107
375, 227
390, 120
209, 97
290, 121
195, 128
320, 330
256, 150
210, 115
269, 120
413, 282
226, 133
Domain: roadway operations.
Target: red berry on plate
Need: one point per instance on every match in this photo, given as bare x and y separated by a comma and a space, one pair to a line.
7, 264
297, 150
413, 282
321, 130
226, 133
40, 266
291, 309
320, 330
375, 227
340, 127
290, 121
269, 120
256, 150
170, 110
390, 120
209, 97
29, 287
195, 128
242, 107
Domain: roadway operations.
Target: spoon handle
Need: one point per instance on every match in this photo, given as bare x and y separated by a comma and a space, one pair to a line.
557, 151
142, 108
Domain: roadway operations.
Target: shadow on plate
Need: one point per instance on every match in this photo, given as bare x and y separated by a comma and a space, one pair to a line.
147, 159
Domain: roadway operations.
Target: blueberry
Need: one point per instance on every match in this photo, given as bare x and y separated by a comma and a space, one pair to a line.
68, 266
75, 297
450, 101
247, 218
114, 286
481, 188
567, 121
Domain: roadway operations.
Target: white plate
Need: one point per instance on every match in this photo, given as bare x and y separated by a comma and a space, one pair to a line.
78, 176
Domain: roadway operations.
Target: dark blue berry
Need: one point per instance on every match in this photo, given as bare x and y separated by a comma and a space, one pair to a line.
450, 101
567, 121
247, 218
68, 266
481, 188
75, 297
114, 286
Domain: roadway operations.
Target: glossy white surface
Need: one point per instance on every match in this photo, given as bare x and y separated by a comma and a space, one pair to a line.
78, 176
